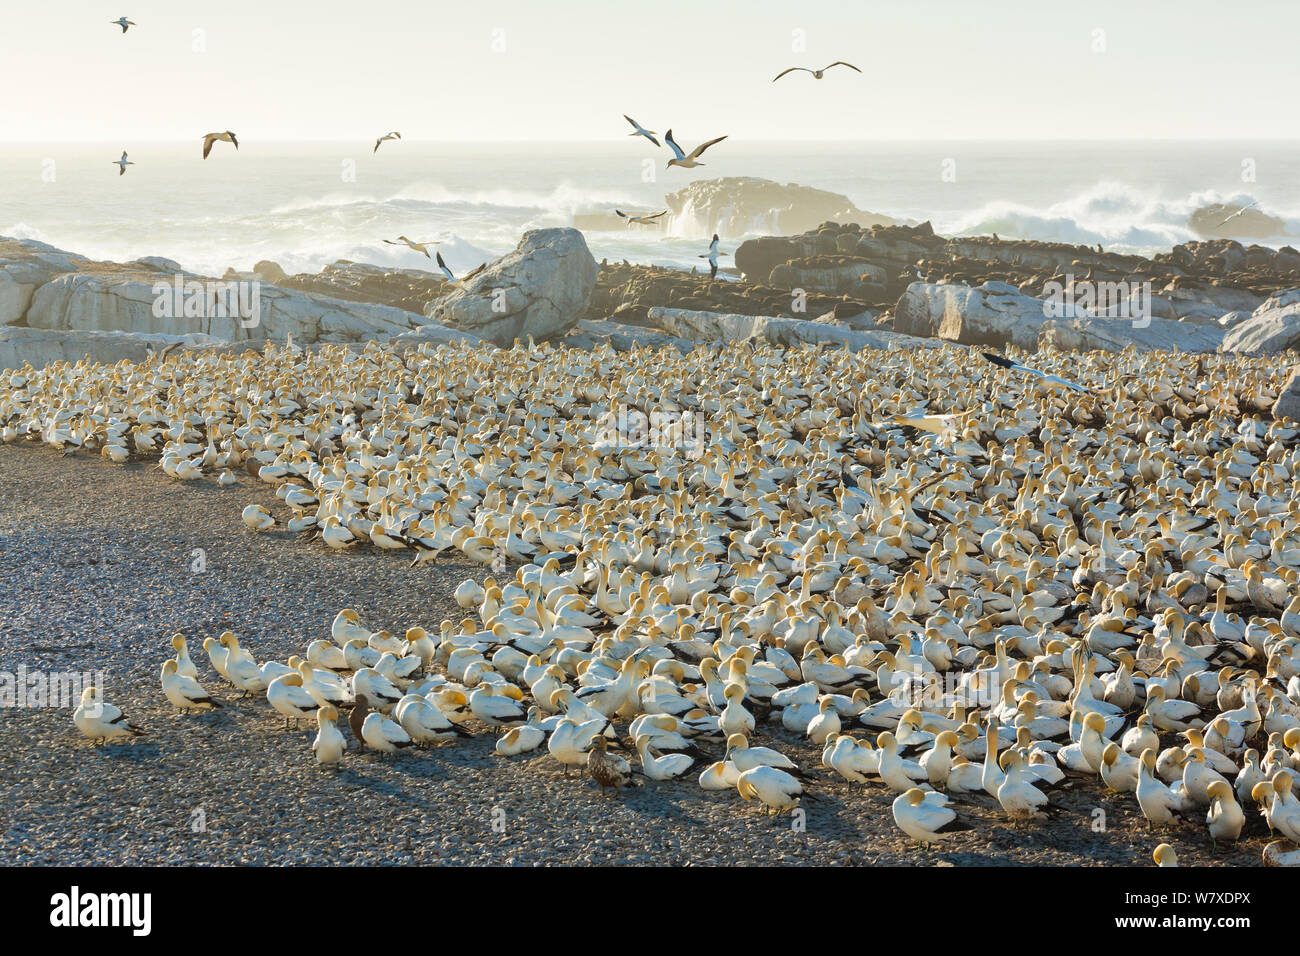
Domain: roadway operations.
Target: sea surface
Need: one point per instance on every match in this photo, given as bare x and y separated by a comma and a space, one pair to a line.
307, 204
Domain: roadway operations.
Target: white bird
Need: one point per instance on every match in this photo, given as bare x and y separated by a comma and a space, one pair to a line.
1053, 380
183, 691
288, 697
412, 244
639, 130
664, 767
774, 788
184, 664
712, 256
1239, 212
383, 734
123, 22
648, 220
385, 138
100, 720
122, 164
926, 816
257, 518
687, 161
329, 743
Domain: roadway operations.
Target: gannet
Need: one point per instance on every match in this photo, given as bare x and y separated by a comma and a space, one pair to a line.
288, 697
412, 244
682, 159
329, 743
122, 163
775, 789
712, 256
925, 816
257, 518
384, 138
1164, 855
1052, 380
100, 720
817, 74
124, 23
1226, 221
664, 767
638, 130
184, 692
1225, 818
643, 220
210, 138
184, 664
384, 735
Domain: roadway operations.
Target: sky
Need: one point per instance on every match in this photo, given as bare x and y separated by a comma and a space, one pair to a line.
566, 70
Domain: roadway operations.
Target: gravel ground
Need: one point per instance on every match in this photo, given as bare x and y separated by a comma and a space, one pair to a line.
97, 570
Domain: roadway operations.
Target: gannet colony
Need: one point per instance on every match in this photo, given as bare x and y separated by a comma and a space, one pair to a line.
962, 582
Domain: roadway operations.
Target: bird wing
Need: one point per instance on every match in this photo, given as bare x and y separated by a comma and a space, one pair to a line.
635, 125
377, 142
235, 141
842, 63
656, 215
121, 170
207, 144
672, 144
443, 266
621, 213
699, 150
790, 70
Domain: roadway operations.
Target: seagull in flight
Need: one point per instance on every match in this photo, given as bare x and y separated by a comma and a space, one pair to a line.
817, 74
122, 164
226, 137
640, 130
381, 139
123, 22
712, 256
417, 246
451, 276
682, 159
1052, 380
1239, 212
644, 220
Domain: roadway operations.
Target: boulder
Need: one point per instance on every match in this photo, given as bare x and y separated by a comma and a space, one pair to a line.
1089, 333
994, 313
25, 265
1288, 403
837, 275
540, 290
1273, 327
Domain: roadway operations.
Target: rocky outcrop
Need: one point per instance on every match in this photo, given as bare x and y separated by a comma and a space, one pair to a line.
994, 314
718, 327
25, 266
736, 205
540, 290
1273, 327
1288, 402
408, 289
1091, 333
41, 347
1252, 224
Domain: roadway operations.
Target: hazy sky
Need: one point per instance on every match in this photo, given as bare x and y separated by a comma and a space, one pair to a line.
934, 69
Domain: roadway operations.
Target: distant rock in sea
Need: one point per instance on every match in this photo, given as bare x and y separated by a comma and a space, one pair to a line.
1208, 221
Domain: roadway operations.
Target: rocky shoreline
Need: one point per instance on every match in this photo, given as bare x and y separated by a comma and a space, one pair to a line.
841, 284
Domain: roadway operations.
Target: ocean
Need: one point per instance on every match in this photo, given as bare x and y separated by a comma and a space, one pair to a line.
304, 205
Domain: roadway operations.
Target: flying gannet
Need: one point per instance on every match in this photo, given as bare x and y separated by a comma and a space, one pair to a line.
1052, 380
643, 220
122, 164
640, 130
385, 137
123, 22
210, 138
684, 160
817, 74
712, 256
417, 246
1239, 212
